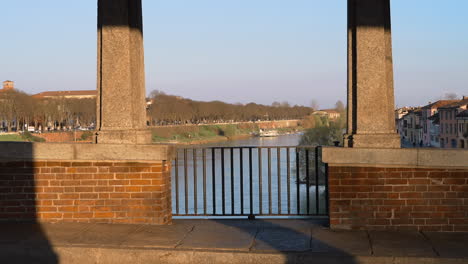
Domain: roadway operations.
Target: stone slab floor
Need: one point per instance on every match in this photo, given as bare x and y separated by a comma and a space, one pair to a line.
223, 241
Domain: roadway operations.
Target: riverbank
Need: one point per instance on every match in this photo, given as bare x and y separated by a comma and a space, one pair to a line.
204, 134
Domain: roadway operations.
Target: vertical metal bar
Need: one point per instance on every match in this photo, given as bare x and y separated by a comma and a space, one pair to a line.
317, 171
186, 180
232, 180
223, 183
269, 180
327, 208
195, 180
177, 181
298, 197
278, 161
213, 172
241, 157
288, 171
308, 180
260, 189
204, 180
250, 182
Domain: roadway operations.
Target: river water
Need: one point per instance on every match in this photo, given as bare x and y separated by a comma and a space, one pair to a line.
284, 140
261, 175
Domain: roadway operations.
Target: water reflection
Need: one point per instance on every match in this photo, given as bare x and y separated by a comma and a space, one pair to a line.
262, 179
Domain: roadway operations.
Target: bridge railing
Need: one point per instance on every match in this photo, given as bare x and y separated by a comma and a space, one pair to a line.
289, 181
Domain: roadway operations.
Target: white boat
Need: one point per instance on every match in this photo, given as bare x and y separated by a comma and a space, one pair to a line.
269, 133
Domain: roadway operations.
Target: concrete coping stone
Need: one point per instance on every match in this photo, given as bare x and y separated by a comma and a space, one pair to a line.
380, 157
70, 151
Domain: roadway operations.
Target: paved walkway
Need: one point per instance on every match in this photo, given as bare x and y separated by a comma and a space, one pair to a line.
224, 241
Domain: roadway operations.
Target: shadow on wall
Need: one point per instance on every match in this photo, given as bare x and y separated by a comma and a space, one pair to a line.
19, 226
111, 14
294, 238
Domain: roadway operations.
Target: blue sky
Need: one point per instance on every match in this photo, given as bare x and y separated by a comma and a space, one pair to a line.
238, 50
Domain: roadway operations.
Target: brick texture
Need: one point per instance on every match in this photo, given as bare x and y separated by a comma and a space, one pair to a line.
92, 191
398, 198
60, 137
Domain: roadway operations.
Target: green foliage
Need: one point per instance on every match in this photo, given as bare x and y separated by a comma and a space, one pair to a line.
228, 130
190, 133
11, 137
27, 136
86, 135
324, 135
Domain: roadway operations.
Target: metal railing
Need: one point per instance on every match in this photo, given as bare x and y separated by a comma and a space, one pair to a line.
249, 181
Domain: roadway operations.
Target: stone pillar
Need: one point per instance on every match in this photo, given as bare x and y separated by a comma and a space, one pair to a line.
121, 113
371, 121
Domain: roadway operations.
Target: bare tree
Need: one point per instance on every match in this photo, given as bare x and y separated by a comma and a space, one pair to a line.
314, 105
339, 106
450, 96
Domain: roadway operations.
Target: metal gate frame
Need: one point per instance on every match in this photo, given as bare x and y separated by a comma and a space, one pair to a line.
182, 175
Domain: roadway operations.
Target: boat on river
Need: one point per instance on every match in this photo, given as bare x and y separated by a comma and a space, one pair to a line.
269, 133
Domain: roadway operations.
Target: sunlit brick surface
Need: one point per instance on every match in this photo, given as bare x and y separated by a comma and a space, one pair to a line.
101, 192
399, 198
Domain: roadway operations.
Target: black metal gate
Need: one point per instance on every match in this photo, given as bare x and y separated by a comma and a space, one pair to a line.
249, 181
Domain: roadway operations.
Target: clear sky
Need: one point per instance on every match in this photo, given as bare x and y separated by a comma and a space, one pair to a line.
238, 50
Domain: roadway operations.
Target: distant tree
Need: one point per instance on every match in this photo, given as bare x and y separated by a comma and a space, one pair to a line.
169, 109
450, 96
276, 104
323, 135
285, 104
314, 105
155, 93
339, 106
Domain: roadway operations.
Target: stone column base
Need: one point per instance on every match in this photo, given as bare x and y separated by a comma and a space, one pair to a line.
134, 136
391, 140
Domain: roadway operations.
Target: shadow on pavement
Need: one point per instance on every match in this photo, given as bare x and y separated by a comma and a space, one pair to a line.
296, 239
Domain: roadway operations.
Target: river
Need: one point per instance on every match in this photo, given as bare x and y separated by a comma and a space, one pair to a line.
266, 168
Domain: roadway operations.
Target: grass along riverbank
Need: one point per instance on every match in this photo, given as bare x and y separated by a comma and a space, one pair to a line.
208, 133
22, 137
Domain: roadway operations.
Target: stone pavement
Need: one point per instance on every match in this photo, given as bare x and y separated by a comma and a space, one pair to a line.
224, 241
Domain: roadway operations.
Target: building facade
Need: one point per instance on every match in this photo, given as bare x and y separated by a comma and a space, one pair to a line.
85, 94
8, 86
434, 130
329, 113
412, 130
448, 123
428, 131
462, 125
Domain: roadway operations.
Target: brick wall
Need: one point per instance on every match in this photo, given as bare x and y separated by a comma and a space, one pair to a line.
60, 137
398, 198
101, 192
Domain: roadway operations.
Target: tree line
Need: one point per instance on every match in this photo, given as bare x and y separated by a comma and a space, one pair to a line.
18, 111
174, 110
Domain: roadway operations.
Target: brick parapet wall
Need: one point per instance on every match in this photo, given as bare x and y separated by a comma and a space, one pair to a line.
60, 137
398, 198
86, 191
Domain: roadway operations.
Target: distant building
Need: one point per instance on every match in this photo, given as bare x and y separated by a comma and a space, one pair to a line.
449, 130
462, 124
412, 130
399, 114
85, 94
427, 123
434, 130
330, 113
8, 86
